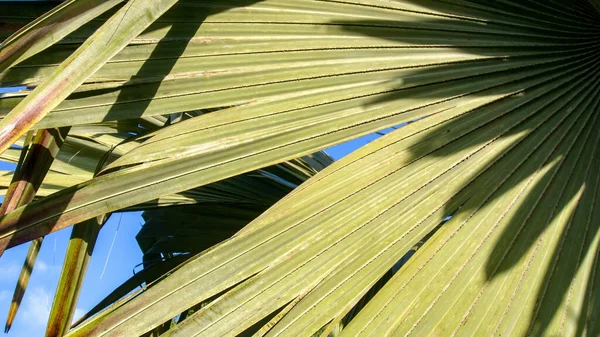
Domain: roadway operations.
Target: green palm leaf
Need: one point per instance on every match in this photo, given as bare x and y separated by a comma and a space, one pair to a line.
500, 101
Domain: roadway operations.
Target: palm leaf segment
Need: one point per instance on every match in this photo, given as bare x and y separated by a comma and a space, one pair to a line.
502, 105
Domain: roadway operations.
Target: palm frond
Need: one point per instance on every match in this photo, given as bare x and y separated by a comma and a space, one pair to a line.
500, 106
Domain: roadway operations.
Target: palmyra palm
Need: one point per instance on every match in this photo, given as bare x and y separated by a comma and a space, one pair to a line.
209, 116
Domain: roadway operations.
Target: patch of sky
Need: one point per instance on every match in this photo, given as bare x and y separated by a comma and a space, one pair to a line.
12, 89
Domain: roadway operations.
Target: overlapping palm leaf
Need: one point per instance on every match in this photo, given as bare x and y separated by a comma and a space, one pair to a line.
501, 104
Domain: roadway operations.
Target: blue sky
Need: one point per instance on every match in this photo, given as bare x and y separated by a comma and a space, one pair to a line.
124, 257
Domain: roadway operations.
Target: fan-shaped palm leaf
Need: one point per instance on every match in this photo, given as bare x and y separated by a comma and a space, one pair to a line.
501, 101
